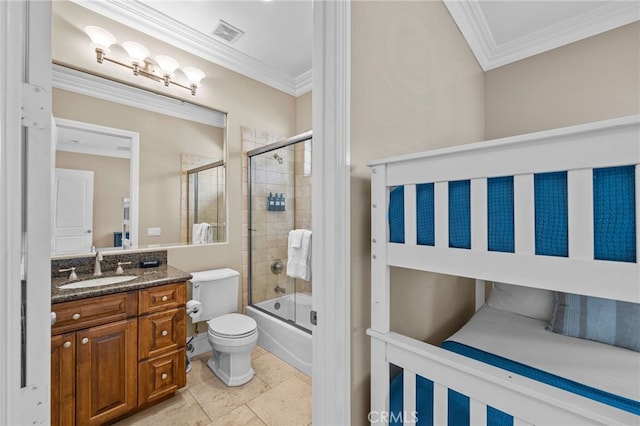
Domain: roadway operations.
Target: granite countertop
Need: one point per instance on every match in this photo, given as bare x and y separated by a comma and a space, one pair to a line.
147, 277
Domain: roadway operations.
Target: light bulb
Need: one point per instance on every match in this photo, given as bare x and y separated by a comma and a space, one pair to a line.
101, 38
167, 64
194, 75
137, 52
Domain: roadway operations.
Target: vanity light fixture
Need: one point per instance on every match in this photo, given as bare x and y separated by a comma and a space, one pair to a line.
102, 40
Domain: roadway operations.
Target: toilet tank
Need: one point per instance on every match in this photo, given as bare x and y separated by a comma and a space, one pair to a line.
217, 290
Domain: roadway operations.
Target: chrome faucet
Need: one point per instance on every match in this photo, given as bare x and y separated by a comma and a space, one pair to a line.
72, 276
97, 268
279, 289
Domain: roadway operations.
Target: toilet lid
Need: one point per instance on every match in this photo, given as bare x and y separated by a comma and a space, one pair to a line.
232, 325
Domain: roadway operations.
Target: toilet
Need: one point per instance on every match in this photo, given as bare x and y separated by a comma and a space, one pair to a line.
232, 336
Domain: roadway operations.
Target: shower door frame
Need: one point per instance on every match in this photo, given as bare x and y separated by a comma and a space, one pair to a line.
195, 172
302, 137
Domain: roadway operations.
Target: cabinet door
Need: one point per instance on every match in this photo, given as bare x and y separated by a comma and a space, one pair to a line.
162, 332
63, 379
106, 371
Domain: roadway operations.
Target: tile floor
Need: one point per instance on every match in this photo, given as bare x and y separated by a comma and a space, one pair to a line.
278, 395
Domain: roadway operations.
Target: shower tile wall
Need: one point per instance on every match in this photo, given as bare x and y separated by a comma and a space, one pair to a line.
211, 193
271, 228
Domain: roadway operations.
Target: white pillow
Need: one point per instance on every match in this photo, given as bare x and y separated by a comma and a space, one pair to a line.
529, 302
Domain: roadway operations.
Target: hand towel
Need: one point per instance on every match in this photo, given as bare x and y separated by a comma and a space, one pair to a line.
201, 233
299, 258
295, 238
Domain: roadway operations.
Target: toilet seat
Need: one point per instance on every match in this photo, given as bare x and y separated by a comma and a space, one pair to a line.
232, 326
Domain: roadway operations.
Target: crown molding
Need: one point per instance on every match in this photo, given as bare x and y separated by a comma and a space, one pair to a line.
149, 21
471, 21
90, 85
304, 83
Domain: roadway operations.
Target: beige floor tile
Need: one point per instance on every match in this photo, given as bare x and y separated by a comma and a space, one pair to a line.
272, 370
181, 410
258, 352
289, 403
304, 377
200, 372
241, 416
217, 399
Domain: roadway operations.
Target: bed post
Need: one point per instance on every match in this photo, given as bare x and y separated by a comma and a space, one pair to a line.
480, 292
379, 295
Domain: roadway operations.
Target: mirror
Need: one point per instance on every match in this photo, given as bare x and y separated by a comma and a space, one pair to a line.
122, 172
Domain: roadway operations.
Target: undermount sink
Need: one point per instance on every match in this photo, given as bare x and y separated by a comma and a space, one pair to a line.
98, 281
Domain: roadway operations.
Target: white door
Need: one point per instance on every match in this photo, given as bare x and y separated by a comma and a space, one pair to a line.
73, 211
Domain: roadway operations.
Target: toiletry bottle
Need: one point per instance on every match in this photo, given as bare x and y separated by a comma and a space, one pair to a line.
282, 201
271, 202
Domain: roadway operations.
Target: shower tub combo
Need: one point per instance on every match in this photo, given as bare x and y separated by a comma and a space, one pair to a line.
279, 201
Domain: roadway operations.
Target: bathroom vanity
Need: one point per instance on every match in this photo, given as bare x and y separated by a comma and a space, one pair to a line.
118, 348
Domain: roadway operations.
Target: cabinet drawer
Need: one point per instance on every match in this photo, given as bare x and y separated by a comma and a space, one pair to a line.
161, 376
160, 298
161, 332
94, 311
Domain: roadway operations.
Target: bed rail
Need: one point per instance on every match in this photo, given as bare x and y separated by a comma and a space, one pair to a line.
579, 153
529, 402
576, 153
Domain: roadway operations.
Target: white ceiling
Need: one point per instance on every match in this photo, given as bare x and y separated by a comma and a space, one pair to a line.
86, 141
276, 48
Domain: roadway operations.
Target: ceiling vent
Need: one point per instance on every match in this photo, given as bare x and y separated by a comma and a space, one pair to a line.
227, 32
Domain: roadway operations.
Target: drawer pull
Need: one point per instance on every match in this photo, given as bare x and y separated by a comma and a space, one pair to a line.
165, 298
165, 332
85, 340
75, 316
164, 376
67, 344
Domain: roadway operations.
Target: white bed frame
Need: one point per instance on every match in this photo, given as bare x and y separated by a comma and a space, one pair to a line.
577, 149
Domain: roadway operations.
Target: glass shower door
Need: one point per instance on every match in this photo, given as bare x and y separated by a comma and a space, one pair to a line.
279, 202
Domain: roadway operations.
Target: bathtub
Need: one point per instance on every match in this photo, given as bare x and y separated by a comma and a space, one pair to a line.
281, 337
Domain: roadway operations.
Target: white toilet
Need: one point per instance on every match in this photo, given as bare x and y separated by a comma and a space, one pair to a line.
232, 336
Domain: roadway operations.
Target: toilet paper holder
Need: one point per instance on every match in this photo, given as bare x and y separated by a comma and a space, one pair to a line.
193, 308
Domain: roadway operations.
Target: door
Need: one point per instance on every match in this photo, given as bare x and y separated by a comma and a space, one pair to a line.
107, 372
73, 211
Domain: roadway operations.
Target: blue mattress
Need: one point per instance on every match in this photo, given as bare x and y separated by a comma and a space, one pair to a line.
614, 213
458, 404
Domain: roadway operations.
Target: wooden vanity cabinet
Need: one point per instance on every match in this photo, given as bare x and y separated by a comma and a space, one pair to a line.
110, 358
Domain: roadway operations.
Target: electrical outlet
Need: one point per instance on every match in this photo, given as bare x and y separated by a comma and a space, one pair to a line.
153, 232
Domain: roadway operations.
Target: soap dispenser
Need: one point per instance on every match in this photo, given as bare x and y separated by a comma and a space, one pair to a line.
271, 202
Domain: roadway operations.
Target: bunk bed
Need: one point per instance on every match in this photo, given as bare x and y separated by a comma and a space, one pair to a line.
552, 218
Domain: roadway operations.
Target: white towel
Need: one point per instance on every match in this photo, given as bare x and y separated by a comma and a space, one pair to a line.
295, 237
299, 258
202, 233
